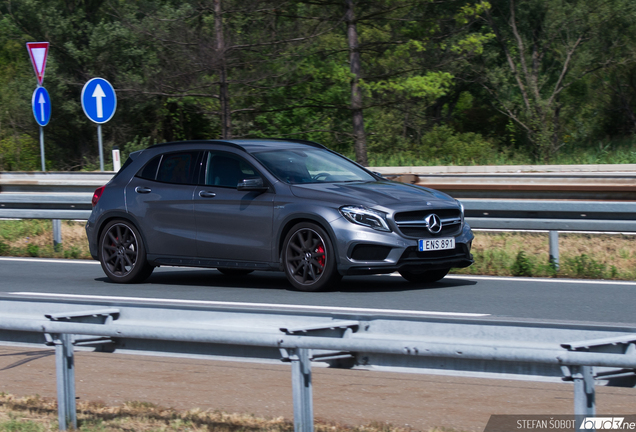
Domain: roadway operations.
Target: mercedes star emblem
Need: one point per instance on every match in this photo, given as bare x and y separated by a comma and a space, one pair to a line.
433, 223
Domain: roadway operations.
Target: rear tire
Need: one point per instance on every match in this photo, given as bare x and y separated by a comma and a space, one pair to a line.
122, 253
309, 258
429, 276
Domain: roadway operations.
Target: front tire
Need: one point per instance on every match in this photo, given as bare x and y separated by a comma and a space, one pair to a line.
122, 253
429, 276
309, 258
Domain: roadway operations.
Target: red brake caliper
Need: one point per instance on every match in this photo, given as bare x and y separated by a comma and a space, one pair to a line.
321, 259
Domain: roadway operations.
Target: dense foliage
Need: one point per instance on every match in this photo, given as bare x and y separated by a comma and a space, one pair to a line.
408, 82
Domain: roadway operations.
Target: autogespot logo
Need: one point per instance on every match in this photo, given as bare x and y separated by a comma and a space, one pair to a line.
607, 423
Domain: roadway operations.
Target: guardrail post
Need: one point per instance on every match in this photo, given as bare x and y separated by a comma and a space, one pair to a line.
584, 394
65, 368
57, 234
554, 249
301, 384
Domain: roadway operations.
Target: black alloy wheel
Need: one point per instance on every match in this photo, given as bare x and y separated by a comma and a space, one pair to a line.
309, 258
429, 276
122, 253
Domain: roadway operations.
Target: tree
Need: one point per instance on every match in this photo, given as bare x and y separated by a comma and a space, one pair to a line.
369, 81
540, 51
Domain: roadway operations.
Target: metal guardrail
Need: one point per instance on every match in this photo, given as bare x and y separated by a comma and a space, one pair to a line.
600, 216
300, 335
482, 214
53, 181
43, 205
581, 182
64, 196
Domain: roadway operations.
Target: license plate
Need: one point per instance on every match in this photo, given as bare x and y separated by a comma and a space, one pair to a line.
437, 244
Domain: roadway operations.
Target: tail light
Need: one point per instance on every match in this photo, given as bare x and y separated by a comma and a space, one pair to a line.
97, 195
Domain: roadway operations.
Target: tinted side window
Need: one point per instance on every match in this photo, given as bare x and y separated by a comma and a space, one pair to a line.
177, 168
149, 172
225, 169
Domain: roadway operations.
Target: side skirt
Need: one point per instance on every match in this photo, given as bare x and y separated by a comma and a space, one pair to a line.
158, 260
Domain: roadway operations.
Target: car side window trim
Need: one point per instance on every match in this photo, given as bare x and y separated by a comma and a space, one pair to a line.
157, 169
155, 160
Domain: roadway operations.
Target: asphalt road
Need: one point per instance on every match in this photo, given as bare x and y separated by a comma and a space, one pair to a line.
608, 302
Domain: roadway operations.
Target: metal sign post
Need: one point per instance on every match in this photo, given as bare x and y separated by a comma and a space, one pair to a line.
101, 147
42, 149
40, 102
99, 103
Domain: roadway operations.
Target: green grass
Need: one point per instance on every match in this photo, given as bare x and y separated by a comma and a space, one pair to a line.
600, 256
582, 256
35, 414
18, 425
34, 238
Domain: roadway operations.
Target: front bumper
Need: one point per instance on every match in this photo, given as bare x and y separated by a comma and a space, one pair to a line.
365, 251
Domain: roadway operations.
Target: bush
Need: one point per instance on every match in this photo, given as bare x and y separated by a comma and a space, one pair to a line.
19, 153
33, 250
73, 253
522, 265
586, 267
455, 148
442, 145
613, 272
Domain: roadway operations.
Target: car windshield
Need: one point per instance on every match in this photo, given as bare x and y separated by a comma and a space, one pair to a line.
311, 166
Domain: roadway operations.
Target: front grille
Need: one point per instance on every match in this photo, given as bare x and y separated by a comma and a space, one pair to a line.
413, 224
421, 214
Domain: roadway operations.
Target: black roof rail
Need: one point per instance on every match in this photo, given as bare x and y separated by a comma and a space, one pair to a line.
209, 141
301, 141
239, 146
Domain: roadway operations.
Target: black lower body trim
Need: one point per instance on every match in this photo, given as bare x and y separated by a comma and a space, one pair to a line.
211, 263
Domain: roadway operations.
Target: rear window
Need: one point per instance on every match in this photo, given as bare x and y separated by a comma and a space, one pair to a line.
175, 168
149, 172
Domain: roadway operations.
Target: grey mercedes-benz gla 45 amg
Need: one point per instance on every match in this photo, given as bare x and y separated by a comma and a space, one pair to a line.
266, 204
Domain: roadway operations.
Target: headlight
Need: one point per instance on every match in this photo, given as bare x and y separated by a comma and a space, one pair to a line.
366, 217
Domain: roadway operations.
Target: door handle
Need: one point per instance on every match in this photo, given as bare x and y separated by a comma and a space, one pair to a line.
143, 189
206, 194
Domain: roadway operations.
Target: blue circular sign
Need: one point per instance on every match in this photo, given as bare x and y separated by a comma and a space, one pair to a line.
98, 100
41, 104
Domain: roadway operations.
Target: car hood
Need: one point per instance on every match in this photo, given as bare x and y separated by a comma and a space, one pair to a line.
388, 194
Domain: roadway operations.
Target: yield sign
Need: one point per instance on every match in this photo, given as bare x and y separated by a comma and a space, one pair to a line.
38, 52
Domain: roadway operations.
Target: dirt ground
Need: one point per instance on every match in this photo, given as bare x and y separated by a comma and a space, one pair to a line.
353, 397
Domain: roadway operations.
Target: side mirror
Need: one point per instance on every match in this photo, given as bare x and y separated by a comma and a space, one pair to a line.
252, 184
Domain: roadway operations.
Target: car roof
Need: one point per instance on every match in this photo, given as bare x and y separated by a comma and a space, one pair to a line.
250, 145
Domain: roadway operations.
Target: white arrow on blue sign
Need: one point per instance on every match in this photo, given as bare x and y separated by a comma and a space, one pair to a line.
99, 100
41, 103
